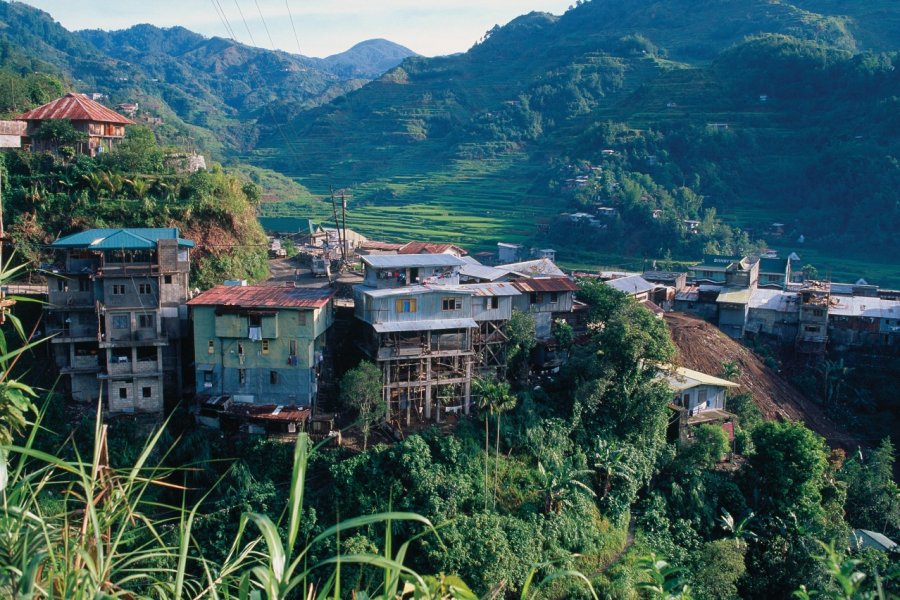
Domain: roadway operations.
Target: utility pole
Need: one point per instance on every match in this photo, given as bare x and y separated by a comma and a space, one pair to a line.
337, 226
344, 216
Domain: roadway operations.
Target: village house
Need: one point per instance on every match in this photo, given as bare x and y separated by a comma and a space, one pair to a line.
431, 248
11, 133
773, 314
116, 311
774, 273
298, 230
102, 127
698, 399
420, 331
260, 344
547, 298
863, 321
509, 253
812, 334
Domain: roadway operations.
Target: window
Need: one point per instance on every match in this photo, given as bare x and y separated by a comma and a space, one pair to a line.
818, 312
146, 392
406, 305
146, 321
123, 393
118, 289
533, 298
301, 318
84, 285
242, 376
686, 400
265, 346
121, 322
811, 328
554, 297
254, 321
145, 288
61, 285
147, 354
492, 303
211, 347
240, 349
207, 379
167, 279
293, 350
451, 304
273, 377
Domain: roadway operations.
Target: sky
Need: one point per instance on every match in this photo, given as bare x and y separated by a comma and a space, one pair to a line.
429, 27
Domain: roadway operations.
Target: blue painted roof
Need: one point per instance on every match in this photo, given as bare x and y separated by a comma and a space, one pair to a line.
131, 238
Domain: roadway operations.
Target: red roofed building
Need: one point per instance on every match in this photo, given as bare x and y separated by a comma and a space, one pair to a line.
430, 248
101, 126
261, 344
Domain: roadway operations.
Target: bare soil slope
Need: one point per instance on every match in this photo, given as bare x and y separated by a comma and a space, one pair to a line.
701, 346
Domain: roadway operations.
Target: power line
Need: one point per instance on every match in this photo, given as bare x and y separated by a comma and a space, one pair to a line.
294, 29
246, 26
265, 26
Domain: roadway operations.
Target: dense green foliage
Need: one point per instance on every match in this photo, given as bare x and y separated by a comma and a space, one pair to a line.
46, 196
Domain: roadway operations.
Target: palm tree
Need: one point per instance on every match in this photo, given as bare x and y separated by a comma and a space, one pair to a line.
140, 187
560, 484
608, 462
483, 389
737, 528
494, 398
503, 402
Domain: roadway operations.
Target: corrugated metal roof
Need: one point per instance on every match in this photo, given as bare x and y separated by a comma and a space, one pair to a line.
864, 306
75, 107
138, 238
432, 325
269, 412
546, 284
484, 289
412, 290
482, 272
398, 261
631, 285
735, 296
531, 268
777, 300
681, 378
286, 224
263, 296
430, 248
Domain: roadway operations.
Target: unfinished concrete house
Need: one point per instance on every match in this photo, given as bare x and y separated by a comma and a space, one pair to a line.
419, 331
815, 297
117, 312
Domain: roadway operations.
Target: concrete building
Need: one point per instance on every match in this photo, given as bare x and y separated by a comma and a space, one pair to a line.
420, 331
698, 399
116, 307
261, 344
812, 335
774, 273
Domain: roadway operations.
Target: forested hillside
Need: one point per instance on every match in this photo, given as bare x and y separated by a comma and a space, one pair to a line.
766, 112
213, 89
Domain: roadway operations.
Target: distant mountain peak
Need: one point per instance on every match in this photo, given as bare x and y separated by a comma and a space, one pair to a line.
368, 59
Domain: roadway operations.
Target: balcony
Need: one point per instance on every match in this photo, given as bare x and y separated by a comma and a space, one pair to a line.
73, 333
70, 300
137, 337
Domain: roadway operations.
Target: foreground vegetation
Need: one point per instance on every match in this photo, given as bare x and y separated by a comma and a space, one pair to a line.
537, 496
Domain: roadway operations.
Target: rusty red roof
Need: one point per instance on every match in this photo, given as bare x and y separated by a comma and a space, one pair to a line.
74, 107
430, 248
375, 245
546, 284
269, 412
263, 296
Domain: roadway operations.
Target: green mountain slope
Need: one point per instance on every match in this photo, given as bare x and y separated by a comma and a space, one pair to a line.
439, 142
